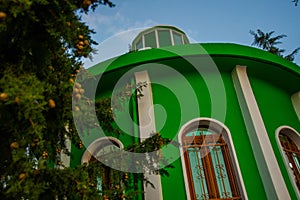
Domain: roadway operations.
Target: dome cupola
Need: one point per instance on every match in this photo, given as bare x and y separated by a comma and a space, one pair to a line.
159, 36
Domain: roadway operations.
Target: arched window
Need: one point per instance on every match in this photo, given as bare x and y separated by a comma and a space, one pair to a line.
100, 148
209, 161
289, 141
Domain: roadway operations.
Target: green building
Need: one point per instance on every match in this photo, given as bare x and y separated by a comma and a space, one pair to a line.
233, 109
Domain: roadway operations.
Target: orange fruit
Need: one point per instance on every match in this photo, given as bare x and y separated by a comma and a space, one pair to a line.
79, 47
81, 91
17, 100
78, 85
3, 96
76, 90
14, 145
71, 80
3, 15
76, 108
51, 68
22, 176
51, 103
78, 96
87, 2
80, 37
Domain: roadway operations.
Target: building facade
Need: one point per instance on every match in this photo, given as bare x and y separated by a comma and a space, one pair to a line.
234, 111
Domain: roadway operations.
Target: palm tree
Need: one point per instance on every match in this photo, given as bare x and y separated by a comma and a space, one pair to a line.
264, 40
267, 42
295, 2
291, 56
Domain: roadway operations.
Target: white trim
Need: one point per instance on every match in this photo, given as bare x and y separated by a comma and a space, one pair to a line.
268, 167
219, 127
145, 107
155, 30
143, 41
156, 39
293, 134
65, 158
147, 128
90, 150
172, 38
296, 103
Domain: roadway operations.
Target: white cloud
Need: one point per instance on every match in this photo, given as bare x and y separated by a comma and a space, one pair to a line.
114, 24
116, 33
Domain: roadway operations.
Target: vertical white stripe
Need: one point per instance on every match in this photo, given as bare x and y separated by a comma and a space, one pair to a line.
296, 103
65, 159
269, 170
147, 127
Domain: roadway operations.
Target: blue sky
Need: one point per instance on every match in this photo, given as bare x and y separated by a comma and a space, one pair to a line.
203, 21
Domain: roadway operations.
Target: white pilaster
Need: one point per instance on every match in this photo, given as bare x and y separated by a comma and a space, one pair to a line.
296, 103
269, 170
65, 159
146, 128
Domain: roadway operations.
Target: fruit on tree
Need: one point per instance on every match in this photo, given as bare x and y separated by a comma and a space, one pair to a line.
3, 96
14, 145
51, 103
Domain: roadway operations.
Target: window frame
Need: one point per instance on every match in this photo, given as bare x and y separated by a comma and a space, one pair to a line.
295, 136
216, 127
96, 144
184, 38
92, 150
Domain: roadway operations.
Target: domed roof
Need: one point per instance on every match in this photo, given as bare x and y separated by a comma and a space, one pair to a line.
159, 36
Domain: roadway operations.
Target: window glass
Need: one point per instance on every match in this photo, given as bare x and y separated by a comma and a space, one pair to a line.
150, 40
220, 170
198, 174
177, 38
109, 178
209, 166
164, 38
186, 41
139, 44
199, 132
292, 152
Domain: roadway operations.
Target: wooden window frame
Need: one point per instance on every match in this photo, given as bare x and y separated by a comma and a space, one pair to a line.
290, 149
216, 127
204, 142
287, 149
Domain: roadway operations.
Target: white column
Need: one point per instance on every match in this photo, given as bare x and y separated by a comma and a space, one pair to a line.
268, 167
296, 103
146, 128
65, 159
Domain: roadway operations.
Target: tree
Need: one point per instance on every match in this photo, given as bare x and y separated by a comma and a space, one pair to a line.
295, 2
42, 43
268, 43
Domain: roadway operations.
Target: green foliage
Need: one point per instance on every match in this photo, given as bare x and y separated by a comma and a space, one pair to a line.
118, 184
268, 43
42, 44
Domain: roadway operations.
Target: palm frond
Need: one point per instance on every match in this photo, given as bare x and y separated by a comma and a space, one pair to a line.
276, 51
291, 56
267, 42
275, 40
295, 2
